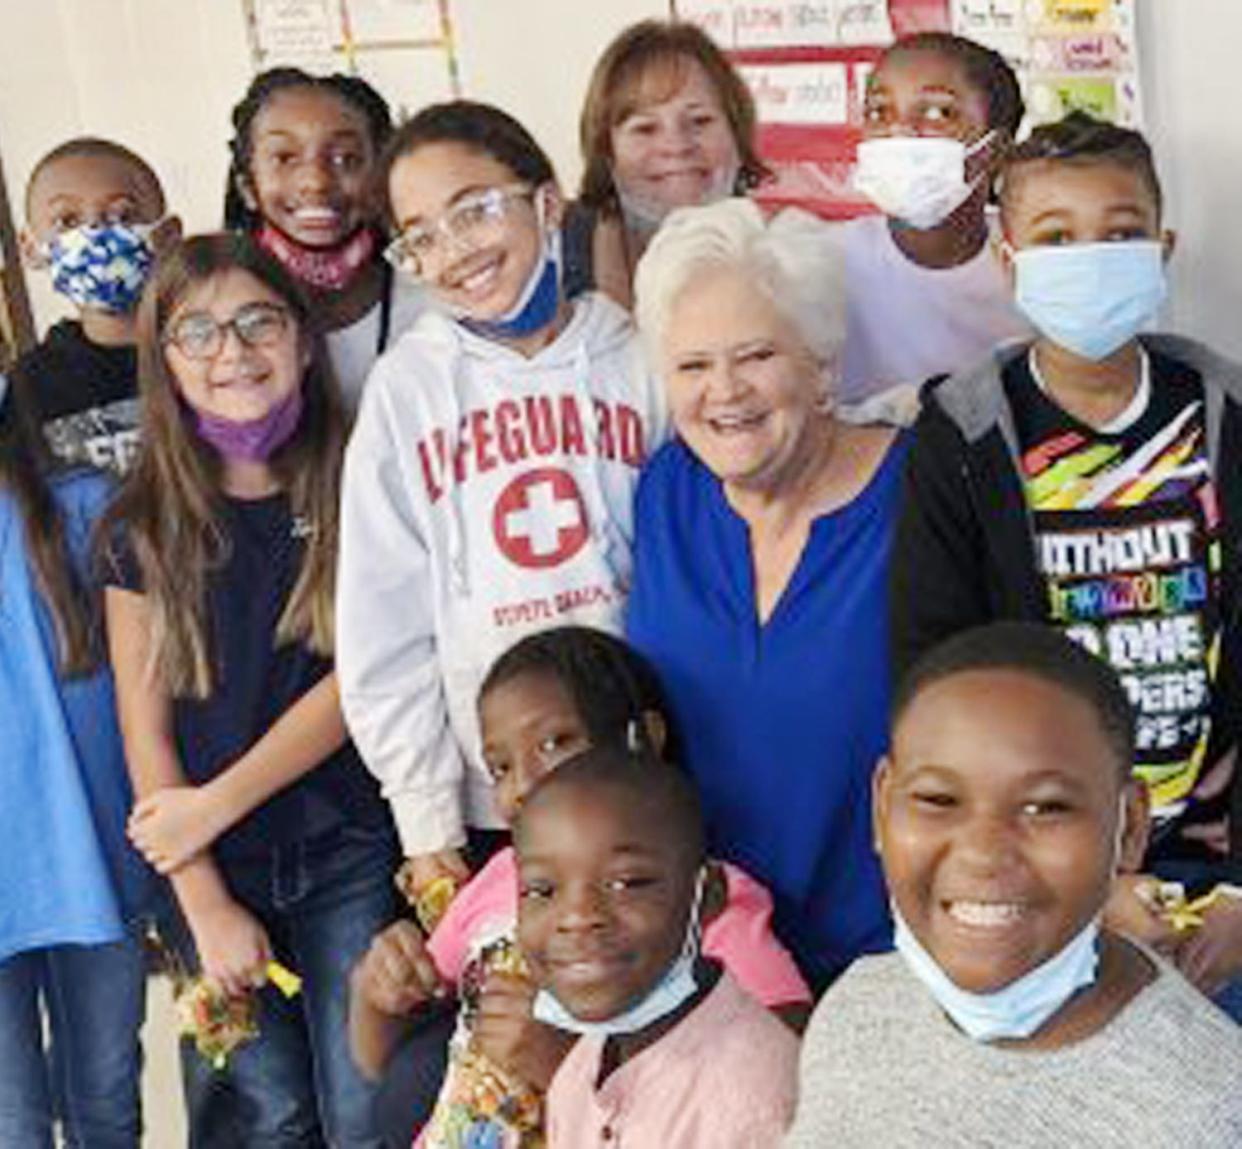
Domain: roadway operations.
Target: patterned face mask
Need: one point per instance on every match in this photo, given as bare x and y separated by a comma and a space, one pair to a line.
102, 267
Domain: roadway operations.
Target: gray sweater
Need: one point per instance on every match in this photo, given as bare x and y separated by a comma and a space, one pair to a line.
883, 1068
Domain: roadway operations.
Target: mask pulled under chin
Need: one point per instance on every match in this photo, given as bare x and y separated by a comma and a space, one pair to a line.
644, 216
536, 305
919, 180
251, 440
324, 269
1017, 1010
672, 991
103, 267
1090, 298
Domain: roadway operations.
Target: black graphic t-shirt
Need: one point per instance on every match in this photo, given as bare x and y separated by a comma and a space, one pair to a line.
1126, 538
86, 397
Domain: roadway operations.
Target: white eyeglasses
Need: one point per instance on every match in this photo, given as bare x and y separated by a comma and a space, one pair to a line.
472, 221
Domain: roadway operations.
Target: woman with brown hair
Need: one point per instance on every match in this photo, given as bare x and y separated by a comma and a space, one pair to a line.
667, 123
219, 606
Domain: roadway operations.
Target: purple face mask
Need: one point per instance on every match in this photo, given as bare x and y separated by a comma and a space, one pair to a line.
253, 440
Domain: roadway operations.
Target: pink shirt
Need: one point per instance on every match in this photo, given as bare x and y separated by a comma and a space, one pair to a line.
739, 937
724, 1077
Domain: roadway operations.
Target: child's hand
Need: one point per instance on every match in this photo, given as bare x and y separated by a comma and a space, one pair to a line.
397, 975
505, 1031
233, 947
1131, 910
1211, 957
419, 871
173, 825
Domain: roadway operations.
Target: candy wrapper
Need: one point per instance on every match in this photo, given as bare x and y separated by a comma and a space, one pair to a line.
429, 901
1170, 902
481, 1106
220, 1022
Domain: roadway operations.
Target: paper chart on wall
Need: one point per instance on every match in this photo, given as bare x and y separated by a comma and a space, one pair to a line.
1069, 54
404, 48
807, 63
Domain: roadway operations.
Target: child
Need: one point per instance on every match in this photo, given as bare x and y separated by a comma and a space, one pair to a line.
549, 697
95, 219
1008, 1016
73, 891
926, 293
303, 157
489, 481
220, 625
1089, 480
674, 1053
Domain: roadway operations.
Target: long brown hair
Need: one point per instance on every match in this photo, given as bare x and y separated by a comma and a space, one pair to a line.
640, 53
169, 505
24, 468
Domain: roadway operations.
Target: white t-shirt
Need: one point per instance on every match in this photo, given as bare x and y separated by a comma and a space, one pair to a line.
906, 323
353, 350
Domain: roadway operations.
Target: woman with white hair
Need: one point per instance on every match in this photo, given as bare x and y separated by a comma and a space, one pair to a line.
762, 544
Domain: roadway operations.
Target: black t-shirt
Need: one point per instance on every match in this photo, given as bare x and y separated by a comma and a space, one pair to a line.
255, 682
1127, 541
85, 396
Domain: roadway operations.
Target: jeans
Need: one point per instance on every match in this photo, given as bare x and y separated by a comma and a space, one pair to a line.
95, 1002
321, 901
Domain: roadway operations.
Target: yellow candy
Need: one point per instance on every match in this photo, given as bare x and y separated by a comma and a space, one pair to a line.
283, 979
433, 900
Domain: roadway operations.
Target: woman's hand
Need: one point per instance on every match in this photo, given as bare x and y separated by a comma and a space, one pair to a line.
1211, 957
233, 947
429, 882
1131, 910
506, 1032
173, 825
397, 975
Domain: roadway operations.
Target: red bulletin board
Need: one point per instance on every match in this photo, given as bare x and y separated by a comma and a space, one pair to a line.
807, 64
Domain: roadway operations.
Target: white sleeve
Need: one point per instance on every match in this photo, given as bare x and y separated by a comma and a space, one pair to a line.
387, 663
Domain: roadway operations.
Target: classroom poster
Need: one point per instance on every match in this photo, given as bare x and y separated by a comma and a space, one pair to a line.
807, 63
403, 47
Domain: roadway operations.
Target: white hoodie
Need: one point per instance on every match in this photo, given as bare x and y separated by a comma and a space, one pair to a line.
486, 496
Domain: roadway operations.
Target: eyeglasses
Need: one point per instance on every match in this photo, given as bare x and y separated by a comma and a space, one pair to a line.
200, 335
474, 220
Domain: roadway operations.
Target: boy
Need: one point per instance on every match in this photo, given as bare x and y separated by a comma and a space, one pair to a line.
1090, 480
674, 1053
1009, 1016
95, 219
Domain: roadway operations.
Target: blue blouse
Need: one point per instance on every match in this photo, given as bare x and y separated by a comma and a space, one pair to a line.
782, 722
70, 875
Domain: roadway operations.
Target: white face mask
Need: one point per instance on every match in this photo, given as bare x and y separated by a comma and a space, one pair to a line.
920, 180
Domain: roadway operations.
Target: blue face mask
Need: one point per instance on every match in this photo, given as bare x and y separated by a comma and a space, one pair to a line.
536, 306
672, 991
1091, 298
1020, 1008
103, 267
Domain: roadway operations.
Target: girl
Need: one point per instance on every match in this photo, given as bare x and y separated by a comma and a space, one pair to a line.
303, 155
547, 699
70, 942
489, 480
220, 624
940, 114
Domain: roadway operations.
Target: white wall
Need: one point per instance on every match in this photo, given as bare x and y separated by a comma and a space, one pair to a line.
1192, 116
162, 75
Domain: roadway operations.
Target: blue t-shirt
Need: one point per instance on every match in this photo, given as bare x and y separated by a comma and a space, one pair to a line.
70, 875
255, 681
783, 722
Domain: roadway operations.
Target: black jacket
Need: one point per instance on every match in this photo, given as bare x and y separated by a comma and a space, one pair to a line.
964, 552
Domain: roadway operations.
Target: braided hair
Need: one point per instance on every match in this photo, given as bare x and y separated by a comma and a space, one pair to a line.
611, 685
352, 90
